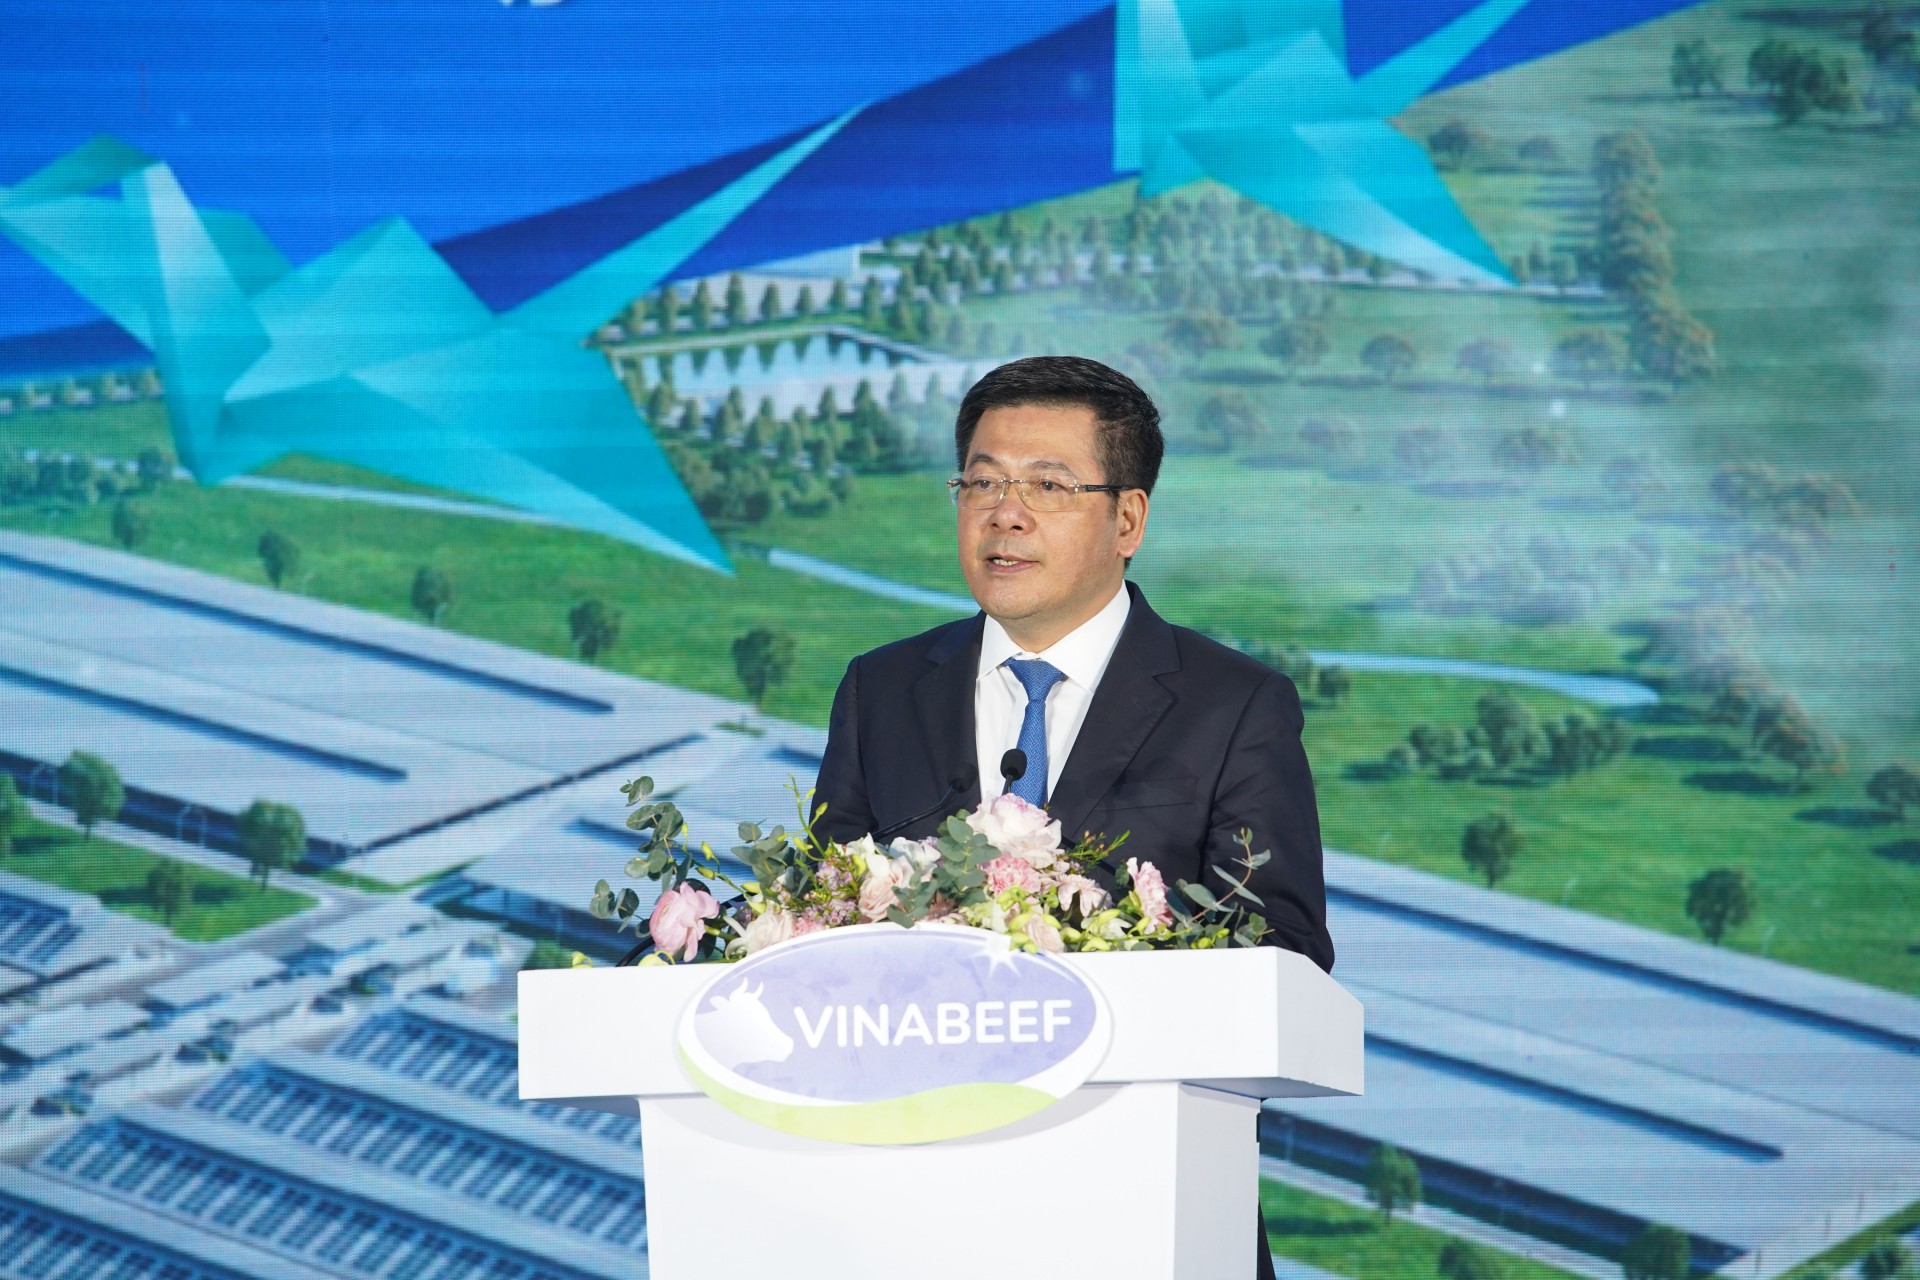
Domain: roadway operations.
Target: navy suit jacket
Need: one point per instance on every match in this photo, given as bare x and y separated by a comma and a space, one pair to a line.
1185, 743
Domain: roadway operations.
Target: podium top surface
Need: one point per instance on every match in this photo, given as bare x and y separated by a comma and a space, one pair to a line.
1260, 1022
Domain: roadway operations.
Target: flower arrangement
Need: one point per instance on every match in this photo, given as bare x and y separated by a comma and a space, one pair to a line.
1001, 867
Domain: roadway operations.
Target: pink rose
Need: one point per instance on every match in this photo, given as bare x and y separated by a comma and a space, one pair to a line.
1081, 894
770, 928
1011, 825
879, 891
1151, 891
1043, 934
680, 918
1011, 871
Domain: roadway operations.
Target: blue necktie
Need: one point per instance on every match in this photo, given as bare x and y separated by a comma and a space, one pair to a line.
1036, 676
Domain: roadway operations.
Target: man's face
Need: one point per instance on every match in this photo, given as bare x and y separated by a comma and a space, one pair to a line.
1040, 574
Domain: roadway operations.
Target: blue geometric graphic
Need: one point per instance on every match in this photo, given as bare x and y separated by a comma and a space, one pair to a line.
460, 364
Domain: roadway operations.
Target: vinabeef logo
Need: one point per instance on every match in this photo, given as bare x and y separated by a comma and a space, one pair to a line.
882, 1035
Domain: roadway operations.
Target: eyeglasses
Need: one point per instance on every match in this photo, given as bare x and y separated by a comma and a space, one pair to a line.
983, 493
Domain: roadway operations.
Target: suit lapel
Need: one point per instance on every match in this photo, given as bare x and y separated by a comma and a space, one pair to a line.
1128, 704
943, 699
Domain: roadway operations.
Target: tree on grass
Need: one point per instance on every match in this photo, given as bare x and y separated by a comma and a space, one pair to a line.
1534, 449
1336, 684
279, 556
1296, 344
1794, 741
1624, 159
154, 467
1392, 1181
1670, 344
762, 658
1491, 358
131, 524
1889, 1259
1418, 450
666, 311
1454, 141
272, 837
1894, 787
1333, 438
13, 814
1507, 723
595, 628
1697, 68
1230, 418
432, 593
1198, 332
1722, 899
1389, 355
736, 302
90, 787
167, 889
1587, 356
702, 308
1464, 1260
1801, 79
1490, 846
1540, 152
1659, 1252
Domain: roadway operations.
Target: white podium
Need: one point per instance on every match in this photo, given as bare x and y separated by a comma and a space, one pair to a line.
1150, 1171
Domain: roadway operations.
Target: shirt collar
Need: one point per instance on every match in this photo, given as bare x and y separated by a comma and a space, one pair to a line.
1081, 655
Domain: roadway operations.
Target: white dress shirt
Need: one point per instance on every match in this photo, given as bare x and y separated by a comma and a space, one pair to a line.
1000, 703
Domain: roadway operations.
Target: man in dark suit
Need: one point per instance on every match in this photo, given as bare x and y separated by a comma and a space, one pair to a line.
1128, 723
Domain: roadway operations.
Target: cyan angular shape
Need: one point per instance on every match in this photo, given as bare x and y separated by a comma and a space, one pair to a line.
576, 305
380, 296
203, 332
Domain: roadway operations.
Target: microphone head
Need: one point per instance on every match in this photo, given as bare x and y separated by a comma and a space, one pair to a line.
963, 777
1013, 765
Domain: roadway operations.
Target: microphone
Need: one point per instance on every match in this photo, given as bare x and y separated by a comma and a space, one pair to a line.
962, 778
1013, 767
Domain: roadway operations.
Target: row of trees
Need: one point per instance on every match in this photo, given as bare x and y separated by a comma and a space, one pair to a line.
741, 469
1634, 258
72, 478
1718, 901
1547, 580
1737, 693
1506, 737
78, 392
271, 836
1796, 80
1332, 682
669, 313
1457, 143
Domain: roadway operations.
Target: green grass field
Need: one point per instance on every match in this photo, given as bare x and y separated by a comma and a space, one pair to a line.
1351, 1241
218, 905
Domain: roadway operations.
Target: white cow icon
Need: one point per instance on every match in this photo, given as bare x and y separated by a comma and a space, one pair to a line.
736, 1029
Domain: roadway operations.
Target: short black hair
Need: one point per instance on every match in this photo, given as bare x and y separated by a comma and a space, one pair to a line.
1127, 424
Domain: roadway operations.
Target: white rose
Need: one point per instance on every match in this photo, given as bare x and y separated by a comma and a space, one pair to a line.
1014, 826
923, 853
986, 915
864, 849
769, 928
